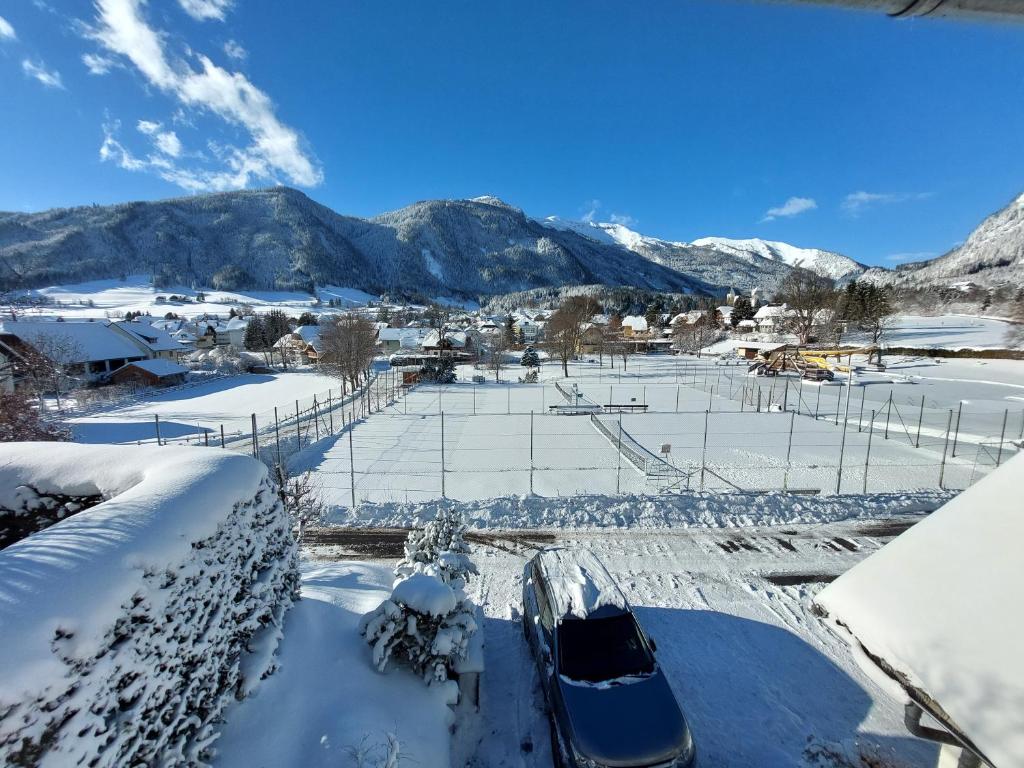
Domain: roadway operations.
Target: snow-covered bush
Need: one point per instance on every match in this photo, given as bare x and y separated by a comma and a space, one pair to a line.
425, 624
439, 547
428, 621
221, 359
128, 628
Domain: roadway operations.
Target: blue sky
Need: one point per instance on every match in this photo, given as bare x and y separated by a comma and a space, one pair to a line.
884, 140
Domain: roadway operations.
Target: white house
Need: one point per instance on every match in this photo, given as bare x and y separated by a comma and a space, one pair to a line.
158, 340
634, 325
232, 333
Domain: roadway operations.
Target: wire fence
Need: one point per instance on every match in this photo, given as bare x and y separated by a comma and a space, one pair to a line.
695, 426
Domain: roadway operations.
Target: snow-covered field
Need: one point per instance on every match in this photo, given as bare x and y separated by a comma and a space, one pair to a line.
189, 411
946, 332
137, 294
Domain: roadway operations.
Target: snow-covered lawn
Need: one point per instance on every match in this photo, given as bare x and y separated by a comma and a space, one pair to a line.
186, 412
136, 294
326, 699
947, 332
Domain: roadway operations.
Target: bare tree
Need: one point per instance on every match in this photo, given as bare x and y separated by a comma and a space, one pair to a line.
693, 337
565, 328
348, 344
1015, 333
616, 342
45, 361
20, 421
805, 295
497, 346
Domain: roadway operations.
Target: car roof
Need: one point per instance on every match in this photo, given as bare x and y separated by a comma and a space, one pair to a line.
577, 583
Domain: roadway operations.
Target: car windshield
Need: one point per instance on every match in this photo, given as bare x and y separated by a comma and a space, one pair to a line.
597, 650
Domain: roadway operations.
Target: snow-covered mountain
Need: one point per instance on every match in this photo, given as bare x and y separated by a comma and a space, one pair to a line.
825, 263
279, 238
993, 254
743, 264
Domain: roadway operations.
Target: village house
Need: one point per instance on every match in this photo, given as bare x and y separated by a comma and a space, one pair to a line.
301, 345
634, 325
90, 348
159, 372
392, 340
160, 342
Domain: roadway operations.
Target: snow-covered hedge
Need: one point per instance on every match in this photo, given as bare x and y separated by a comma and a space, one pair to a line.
126, 629
26, 511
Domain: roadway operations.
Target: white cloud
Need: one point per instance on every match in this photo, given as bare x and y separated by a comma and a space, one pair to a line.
792, 207
6, 30
856, 202
166, 142
98, 65
235, 51
274, 150
48, 77
591, 207
203, 10
622, 218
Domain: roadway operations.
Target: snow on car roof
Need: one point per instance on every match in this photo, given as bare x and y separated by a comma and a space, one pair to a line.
939, 608
577, 583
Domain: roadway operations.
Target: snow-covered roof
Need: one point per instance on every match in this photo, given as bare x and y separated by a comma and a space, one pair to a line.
398, 334
236, 324
636, 322
157, 339
157, 366
89, 340
940, 608
577, 582
456, 338
772, 311
307, 333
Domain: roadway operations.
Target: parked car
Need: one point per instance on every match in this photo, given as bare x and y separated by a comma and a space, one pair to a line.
609, 701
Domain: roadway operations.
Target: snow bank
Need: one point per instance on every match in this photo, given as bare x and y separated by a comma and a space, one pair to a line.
684, 510
125, 629
939, 608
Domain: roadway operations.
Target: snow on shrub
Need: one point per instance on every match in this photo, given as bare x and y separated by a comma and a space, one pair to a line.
440, 544
425, 624
428, 621
127, 628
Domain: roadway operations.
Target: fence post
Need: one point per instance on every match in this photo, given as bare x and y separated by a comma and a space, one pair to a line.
920, 418
618, 468
277, 436
743, 397
785, 396
206, 438
1002, 435
945, 447
298, 429
443, 495
352, 459
888, 413
867, 455
677, 398
800, 394
842, 443
255, 442
474, 399
860, 416
316, 419
330, 411
531, 452
817, 402
222, 444
839, 402
156, 420
704, 449
758, 398
956, 432
789, 452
